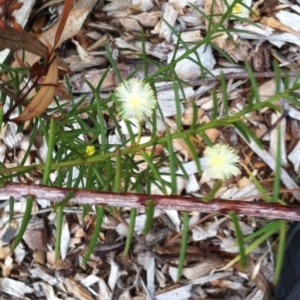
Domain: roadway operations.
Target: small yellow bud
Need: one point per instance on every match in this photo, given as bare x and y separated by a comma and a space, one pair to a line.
237, 9
90, 150
148, 152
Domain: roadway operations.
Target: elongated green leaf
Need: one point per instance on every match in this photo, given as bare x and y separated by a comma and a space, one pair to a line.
58, 232
247, 133
100, 178
178, 106
130, 131
213, 191
58, 207
86, 210
25, 221
280, 250
150, 214
195, 116
215, 105
130, 233
260, 188
206, 139
272, 226
32, 139
172, 162
184, 242
100, 115
224, 94
272, 230
11, 209
254, 86
154, 126
240, 238
118, 172
194, 154
278, 77
51, 143
90, 178
154, 170
113, 63
276, 185
64, 202
95, 235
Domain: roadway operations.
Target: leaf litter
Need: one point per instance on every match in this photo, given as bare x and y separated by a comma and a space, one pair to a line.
30, 271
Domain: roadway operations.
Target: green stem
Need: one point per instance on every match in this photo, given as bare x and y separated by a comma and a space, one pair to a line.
139, 132
128, 150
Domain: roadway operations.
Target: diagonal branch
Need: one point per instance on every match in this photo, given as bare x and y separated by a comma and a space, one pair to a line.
55, 194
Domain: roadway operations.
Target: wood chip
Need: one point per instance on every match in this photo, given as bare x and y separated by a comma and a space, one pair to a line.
76, 289
15, 288
36, 235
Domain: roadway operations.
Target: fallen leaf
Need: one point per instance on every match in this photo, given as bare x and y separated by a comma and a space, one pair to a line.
44, 96
74, 23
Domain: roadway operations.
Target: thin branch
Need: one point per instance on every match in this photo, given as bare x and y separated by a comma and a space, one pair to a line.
55, 194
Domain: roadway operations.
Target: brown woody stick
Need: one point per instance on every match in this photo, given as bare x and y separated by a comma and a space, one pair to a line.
54, 194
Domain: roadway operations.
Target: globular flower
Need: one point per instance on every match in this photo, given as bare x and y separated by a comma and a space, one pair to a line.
90, 150
136, 98
241, 9
221, 161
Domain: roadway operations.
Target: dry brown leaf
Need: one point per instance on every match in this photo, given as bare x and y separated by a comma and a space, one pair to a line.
14, 40
63, 20
73, 24
44, 96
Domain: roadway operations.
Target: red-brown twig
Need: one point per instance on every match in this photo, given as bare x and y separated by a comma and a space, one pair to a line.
54, 194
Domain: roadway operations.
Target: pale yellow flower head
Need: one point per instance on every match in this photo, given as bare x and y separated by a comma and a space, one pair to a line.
221, 161
240, 9
137, 99
90, 150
